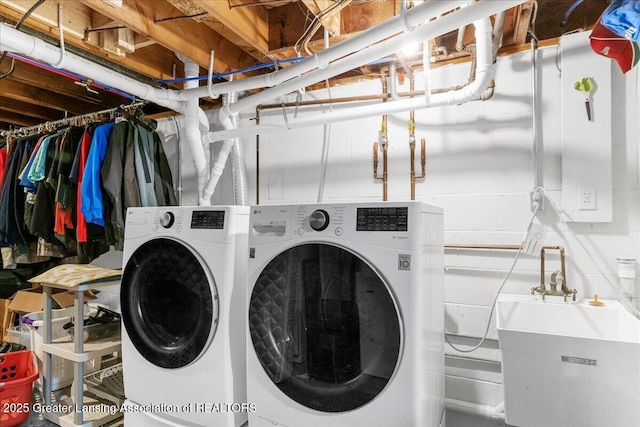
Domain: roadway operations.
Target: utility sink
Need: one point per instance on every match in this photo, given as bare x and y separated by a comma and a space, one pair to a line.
569, 364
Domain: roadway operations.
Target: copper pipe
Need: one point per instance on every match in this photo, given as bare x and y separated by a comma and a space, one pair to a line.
385, 145
412, 142
375, 161
562, 263
384, 177
412, 158
480, 246
423, 158
359, 98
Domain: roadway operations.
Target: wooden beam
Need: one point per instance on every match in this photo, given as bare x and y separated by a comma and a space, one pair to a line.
317, 6
33, 76
186, 37
29, 109
17, 119
24, 92
76, 17
136, 62
247, 27
522, 19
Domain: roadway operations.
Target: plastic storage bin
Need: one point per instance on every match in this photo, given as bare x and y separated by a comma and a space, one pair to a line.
61, 369
20, 335
18, 371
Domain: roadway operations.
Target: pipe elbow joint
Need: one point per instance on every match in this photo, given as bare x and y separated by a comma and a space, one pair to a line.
270, 79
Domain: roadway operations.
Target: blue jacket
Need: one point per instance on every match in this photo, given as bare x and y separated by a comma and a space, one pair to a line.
91, 187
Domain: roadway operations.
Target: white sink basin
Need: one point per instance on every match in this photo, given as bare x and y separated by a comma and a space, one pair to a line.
569, 364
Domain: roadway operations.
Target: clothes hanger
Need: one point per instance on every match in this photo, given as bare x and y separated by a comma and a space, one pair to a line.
133, 118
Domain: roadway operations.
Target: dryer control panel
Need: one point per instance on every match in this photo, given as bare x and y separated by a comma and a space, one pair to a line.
382, 219
209, 220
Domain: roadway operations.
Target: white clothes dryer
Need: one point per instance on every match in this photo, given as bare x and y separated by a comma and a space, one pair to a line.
182, 299
346, 315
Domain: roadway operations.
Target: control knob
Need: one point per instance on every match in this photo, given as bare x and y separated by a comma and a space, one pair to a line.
167, 219
319, 220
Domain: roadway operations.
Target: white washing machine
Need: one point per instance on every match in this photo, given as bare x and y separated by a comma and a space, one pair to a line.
346, 315
182, 300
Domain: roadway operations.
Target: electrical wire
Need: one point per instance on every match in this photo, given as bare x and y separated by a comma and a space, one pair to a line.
230, 73
495, 299
256, 67
70, 75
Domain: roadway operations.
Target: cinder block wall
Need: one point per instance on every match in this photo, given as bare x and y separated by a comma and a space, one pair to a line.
480, 170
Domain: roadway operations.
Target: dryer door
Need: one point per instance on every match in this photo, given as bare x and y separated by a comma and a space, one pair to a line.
325, 327
169, 303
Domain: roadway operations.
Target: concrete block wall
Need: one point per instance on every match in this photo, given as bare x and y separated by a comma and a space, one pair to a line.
480, 170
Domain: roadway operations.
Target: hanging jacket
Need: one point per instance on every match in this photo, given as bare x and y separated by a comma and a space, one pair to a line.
163, 182
12, 227
119, 178
91, 187
65, 202
42, 219
145, 170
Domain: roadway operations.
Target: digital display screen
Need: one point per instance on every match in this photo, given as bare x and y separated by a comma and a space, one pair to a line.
210, 220
382, 219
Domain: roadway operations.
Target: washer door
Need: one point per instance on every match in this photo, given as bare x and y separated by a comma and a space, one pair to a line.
169, 303
325, 327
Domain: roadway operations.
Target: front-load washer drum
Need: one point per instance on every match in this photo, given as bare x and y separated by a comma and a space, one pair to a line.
169, 303
325, 327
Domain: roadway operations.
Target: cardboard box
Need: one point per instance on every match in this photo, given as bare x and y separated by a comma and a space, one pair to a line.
31, 300
4, 311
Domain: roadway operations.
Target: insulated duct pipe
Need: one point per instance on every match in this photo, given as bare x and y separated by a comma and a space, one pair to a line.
484, 73
191, 128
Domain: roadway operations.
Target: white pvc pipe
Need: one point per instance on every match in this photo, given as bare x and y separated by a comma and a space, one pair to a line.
238, 166
486, 411
221, 160
13, 40
426, 31
484, 74
191, 129
320, 60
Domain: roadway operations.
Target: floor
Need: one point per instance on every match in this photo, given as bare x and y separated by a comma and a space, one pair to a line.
61, 396
37, 419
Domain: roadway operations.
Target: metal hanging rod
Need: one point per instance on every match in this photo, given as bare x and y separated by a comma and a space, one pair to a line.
47, 126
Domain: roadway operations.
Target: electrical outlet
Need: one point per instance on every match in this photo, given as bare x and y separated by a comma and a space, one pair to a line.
587, 198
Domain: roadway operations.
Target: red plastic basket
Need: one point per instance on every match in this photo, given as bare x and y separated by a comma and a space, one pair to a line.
18, 371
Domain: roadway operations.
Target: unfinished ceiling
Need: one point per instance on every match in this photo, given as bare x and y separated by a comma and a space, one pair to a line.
141, 39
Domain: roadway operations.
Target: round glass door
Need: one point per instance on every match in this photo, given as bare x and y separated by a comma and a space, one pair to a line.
325, 327
169, 303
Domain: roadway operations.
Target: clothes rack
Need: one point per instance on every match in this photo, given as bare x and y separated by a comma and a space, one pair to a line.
75, 120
